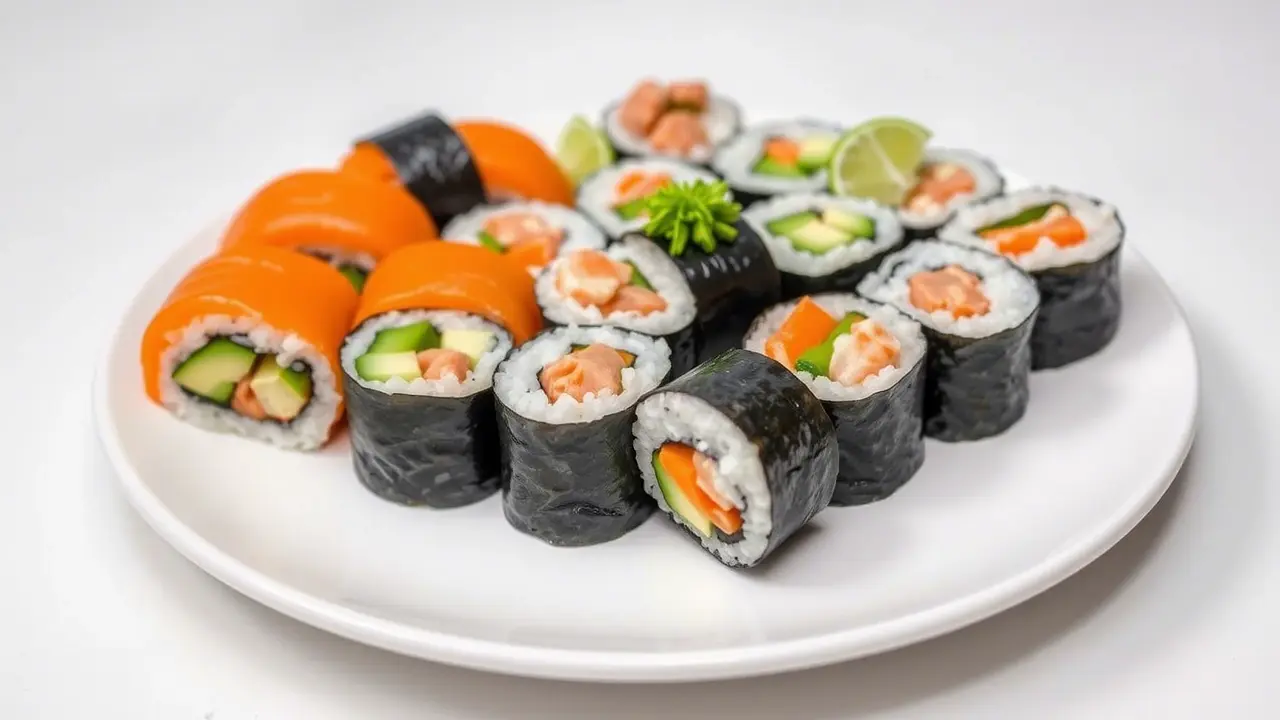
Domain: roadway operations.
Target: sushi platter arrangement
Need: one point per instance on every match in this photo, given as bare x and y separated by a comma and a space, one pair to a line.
673, 317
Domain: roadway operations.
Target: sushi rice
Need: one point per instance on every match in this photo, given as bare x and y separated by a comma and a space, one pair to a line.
1100, 221
518, 387
579, 232
736, 159
308, 431
480, 378
721, 120
595, 196
739, 476
987, 180
798, 262
907, 332
654, 264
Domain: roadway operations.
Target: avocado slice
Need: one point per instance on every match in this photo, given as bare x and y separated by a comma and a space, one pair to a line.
857, 224
633, 209
815, 151
817, 360
788, 224
637, 278
1028, 215
406, 338
213, 371
678, 503
472, 343
771, 167
283, 391
817, 237
489, 242
381, 367
355, 276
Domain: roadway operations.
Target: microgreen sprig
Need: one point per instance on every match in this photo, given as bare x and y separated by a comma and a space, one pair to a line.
699, 211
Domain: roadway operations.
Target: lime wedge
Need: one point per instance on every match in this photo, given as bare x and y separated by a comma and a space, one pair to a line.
878, 160
582, 149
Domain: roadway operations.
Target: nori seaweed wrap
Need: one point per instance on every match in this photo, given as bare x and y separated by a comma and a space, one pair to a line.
879, 419
1070, 243
569, 475
739, 453
977, 310
416, 441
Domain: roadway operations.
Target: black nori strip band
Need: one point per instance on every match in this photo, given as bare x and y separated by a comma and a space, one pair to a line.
977, 387
434, 164
730, 287
790, 428
844, 280
419, 450
1080, 310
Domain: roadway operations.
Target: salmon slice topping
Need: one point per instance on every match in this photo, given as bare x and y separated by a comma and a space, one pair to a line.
632, 298
637, 185
591, 277
642, 107
437, 363
867, 349
1058, 224
952, 289
245, 402
688, 95
939, 183
679, 131
596, 369
514, 228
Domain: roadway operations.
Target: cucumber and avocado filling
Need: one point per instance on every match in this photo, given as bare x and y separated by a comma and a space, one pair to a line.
821, 231
283, 391
381, 367
632, 210
354, 275
472, 343
489, 242
1027, 216
818, 237
213, 371
856, 224
769, 166
406, 338
637, 278
676, 500
815, 152
787, 224
817, 360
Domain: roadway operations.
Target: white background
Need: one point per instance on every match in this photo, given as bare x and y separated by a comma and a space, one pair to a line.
127, 127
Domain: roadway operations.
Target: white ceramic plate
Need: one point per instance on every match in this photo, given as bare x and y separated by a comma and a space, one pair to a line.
982, 527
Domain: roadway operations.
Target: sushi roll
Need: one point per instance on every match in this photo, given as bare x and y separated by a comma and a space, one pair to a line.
451, 168
824, 243
633, 285
681, 120
723, 259
739, 453
615, 197
977, 310
566, 404
247, 343
1070, 243
345, 220
947, 180
531, 233
777, 158
418, 371
865, 362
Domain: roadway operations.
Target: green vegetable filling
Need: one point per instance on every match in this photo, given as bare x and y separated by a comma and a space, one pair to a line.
817, 360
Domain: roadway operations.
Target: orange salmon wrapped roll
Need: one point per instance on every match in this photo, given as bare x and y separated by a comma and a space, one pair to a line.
452, 168
434, 322
350, 221
247, 343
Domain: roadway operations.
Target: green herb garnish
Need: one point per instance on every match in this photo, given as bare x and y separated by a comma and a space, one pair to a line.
489, 242
697, 211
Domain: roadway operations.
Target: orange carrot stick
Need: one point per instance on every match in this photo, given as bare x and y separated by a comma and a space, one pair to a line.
677, 460
808, 325
1064, 231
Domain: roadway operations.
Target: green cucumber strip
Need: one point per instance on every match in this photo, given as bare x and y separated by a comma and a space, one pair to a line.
1029, 215
817, 360
633, 209
637, 278
490, 242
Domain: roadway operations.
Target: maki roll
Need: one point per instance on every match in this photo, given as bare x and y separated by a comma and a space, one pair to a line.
633, 285
865, 362
247, 343
723, 259
418, 371
530, 233
1070, 243
616, 197
739, 453
947, 180
345, 220
777, 158
824, 243
453, 167
681, 120
566, 404
977, 310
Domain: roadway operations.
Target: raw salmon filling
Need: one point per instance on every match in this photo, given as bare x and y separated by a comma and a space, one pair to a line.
532, 234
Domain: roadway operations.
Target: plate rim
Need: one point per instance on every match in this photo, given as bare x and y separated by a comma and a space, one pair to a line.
626, 666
